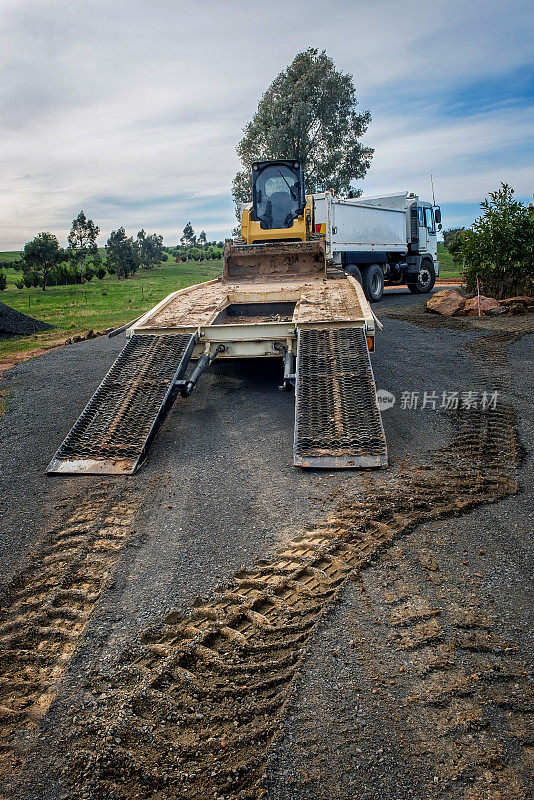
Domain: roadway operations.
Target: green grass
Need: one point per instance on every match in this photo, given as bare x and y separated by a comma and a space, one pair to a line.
8, 256
447, 268
98, 304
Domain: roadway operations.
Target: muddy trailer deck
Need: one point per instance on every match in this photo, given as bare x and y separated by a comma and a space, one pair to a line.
249, 317
322, 328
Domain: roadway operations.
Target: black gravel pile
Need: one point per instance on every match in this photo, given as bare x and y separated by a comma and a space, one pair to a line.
14, 323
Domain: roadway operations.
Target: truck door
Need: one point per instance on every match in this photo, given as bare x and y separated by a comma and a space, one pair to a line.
422, 230
431, 237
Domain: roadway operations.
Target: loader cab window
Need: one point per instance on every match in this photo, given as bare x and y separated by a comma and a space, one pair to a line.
278, 194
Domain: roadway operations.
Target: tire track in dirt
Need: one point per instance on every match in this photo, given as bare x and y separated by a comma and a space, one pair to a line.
46, 607
469, 697
191, 712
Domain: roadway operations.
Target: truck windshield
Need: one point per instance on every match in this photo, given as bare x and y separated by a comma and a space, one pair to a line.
277, 196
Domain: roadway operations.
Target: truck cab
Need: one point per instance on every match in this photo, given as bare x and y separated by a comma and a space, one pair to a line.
423, 232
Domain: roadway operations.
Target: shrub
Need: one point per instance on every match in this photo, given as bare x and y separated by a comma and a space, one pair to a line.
451, 237
499, 247
3, 280
30, 280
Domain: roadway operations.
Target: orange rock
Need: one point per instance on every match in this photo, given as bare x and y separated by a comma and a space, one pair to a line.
486, 304
446, 302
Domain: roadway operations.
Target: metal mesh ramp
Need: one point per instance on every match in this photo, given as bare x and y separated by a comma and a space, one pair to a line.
118, 424
337, 421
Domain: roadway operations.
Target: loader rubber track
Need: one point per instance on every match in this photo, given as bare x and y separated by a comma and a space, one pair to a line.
192, 711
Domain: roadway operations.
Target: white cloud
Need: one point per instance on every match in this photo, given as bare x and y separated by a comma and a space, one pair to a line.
132, 109
467, 157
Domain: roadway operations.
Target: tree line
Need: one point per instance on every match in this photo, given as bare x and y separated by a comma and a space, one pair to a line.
193, 248
43, 262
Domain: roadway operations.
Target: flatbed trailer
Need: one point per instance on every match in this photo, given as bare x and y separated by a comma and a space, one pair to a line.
323, 329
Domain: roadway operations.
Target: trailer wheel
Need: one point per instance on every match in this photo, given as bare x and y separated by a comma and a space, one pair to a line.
352, 269
373, 282
425, 280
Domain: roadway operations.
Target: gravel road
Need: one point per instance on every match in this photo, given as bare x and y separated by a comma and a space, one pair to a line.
219, 491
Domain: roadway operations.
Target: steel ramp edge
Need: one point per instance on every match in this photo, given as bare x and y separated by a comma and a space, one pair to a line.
117, 426
337, 420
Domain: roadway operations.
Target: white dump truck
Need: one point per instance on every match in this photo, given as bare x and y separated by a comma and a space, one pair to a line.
389, 239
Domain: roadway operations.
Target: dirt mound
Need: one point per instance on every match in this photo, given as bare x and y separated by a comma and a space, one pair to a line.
13, 323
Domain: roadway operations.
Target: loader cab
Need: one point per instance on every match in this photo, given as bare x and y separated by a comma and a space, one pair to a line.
278, 196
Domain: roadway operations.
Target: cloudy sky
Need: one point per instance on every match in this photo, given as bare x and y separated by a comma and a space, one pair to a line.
132, 109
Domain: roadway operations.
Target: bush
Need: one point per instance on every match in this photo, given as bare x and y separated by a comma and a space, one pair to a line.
3, 280
64, 275
30, 280
215, 253
452, 237
499, 247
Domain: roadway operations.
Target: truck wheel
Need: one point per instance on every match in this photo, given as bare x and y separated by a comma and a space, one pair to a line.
425, 280
352, 269
373, 282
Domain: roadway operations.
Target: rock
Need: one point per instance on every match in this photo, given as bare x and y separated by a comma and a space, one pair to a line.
486, 303
90, 335
493, 312
523, 304
446, 302
523, 299
517, 308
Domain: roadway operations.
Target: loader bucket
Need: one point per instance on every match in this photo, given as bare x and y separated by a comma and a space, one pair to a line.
274, 261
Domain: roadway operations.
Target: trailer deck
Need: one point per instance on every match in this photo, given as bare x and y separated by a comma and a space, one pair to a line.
248, 316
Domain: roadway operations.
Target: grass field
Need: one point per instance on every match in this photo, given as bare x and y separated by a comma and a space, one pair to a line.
98, 304
447, 268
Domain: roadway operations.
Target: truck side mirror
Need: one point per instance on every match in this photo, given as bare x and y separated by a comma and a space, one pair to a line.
437, 214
